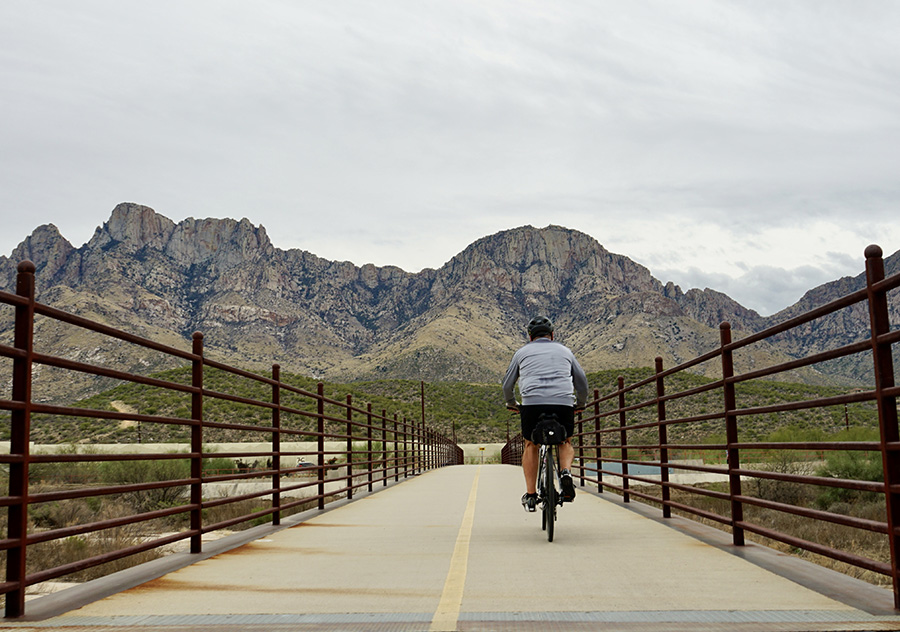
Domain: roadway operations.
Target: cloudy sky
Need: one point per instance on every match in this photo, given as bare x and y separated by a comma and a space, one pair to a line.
748, 146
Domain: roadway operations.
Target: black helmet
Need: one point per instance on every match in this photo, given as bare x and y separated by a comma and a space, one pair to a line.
540, 326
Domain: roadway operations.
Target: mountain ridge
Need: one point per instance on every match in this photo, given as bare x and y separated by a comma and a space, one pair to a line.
258, 304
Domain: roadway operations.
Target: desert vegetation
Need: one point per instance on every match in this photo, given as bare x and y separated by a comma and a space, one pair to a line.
474, 413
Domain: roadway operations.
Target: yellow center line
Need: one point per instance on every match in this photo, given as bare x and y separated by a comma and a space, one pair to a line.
447, 613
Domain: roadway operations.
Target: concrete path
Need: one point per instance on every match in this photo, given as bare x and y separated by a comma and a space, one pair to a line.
453, 550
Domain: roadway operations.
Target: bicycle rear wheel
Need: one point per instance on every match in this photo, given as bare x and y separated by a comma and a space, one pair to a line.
549, 518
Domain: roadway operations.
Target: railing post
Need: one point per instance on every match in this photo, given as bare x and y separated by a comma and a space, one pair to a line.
197, 442
887, 405
435, 449
413, 446
320, 428
369, 442
663, 439
349, 447
422, 399
623, 440
17, 527
422, 466
581, 447
276, 444
424, 446
397, 449
384, 469
426, 435
405, 450
731, 436
435, 446
597, 440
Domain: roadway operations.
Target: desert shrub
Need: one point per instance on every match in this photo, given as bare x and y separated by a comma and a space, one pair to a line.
64, 513
143, 471
782, 491
218, 465
854, 465
62, 473
147, 471
63, 551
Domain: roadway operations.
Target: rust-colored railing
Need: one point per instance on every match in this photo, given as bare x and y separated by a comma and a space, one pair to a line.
351, 448
511, 453
622, 443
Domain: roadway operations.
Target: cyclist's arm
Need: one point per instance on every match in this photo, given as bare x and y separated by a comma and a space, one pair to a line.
509, 385
579, 379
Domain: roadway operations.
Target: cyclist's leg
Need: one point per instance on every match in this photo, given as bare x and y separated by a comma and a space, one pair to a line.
566, 455
566, 416
528, 415
530, 466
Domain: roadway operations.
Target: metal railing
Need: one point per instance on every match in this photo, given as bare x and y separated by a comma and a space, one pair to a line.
352, 448
511, 453
622, 443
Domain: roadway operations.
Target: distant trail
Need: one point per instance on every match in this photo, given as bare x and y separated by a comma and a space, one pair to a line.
122, 407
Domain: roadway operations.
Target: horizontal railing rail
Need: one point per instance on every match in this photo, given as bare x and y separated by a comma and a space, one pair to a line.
777, 490
318, 448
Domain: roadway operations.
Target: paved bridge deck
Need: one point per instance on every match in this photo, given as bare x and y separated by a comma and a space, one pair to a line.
452, 549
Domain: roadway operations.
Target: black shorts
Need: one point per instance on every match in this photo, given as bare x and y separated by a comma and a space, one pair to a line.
531, 414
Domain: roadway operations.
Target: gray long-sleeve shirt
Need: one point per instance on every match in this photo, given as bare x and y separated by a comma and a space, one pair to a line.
547, 373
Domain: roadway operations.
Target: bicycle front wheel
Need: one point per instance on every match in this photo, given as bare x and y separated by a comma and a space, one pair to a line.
549, 517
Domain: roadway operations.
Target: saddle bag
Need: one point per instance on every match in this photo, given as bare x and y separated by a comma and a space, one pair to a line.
548, 431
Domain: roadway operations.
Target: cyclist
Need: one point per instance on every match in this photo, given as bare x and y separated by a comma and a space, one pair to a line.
547, 373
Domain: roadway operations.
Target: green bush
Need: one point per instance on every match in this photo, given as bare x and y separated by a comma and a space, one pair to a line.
218, 465
144, 471
147, 471
855, 465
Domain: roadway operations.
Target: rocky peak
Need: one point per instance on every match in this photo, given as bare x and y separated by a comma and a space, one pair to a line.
133, 227
45, 247
552, 261
713, 308
226, 241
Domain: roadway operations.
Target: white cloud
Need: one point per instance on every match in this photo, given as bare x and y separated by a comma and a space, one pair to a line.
726, 137
808, 254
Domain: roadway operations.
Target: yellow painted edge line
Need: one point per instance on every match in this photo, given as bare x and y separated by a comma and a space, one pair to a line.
447, 613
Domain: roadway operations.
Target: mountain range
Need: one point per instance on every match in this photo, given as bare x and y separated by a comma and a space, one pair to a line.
257, 304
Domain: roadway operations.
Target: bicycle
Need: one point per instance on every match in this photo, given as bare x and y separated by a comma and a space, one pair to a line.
548, 433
